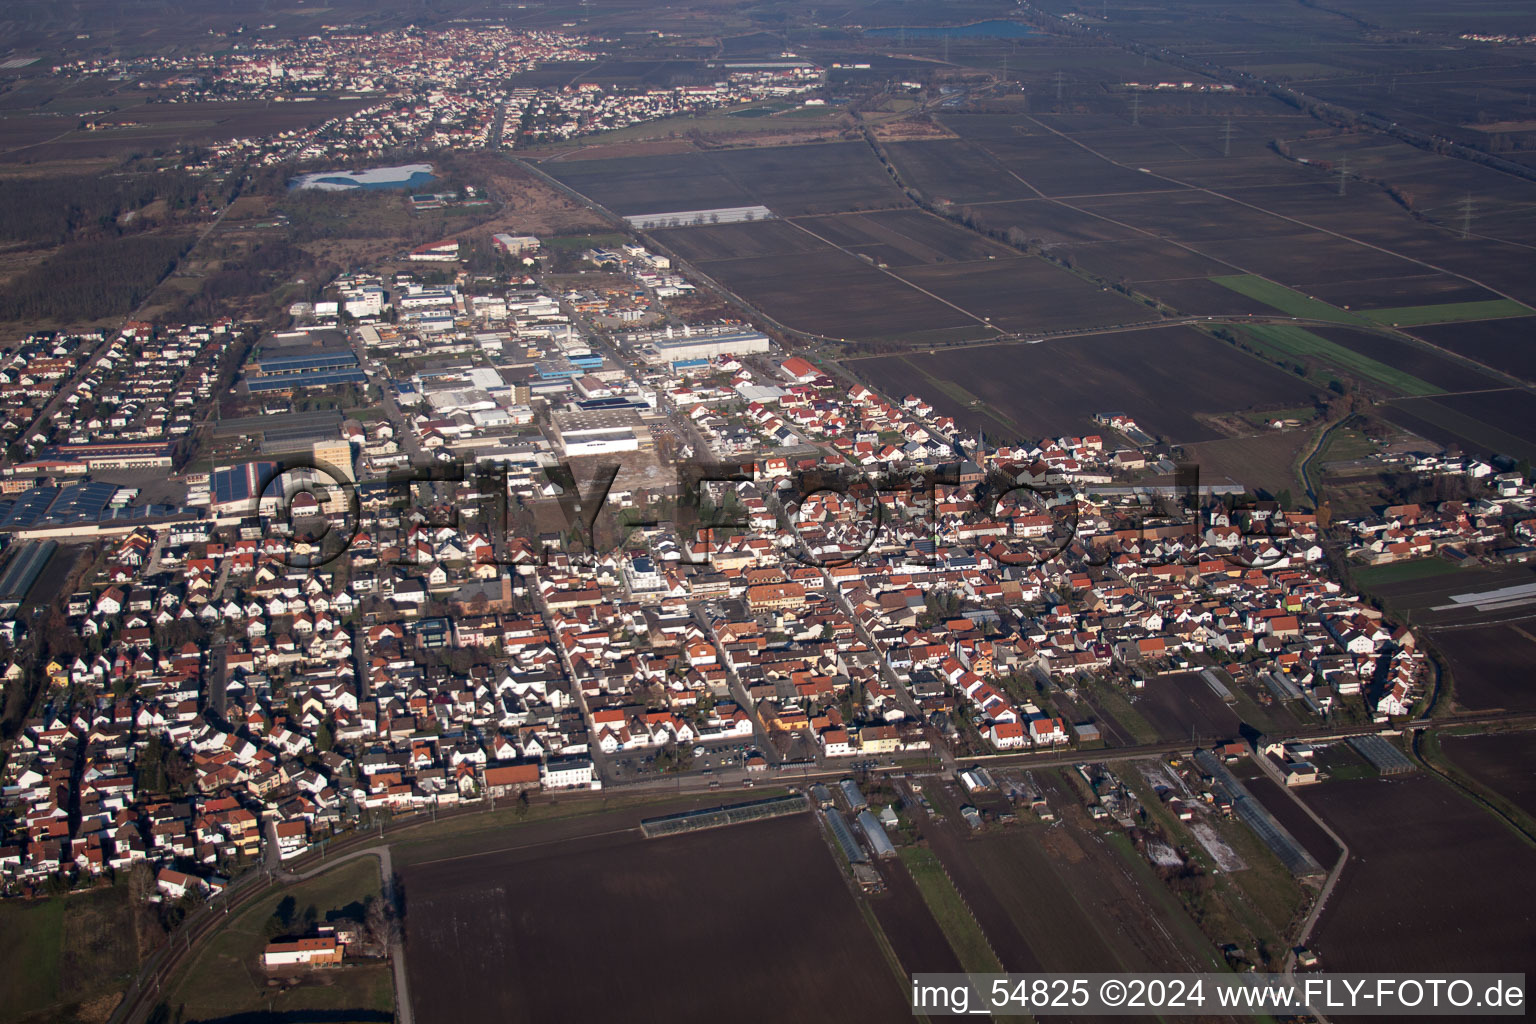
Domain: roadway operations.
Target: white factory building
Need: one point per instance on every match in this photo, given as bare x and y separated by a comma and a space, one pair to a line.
599, 440
684, 347
692, 218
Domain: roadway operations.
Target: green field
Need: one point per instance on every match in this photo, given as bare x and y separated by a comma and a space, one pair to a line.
1300, 343
226, 978
579, 243
1397, 572
66, 951
1447, 312
1286, 300
960, 928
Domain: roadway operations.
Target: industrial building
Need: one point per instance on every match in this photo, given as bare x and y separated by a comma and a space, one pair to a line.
738, 343
21, 574
697, 218
112, 455
600, 432
515, 245
686, 346
304, 359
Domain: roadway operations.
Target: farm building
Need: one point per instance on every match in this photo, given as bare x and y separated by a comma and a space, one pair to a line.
845, 841
1386, 758
878, 840
323, 949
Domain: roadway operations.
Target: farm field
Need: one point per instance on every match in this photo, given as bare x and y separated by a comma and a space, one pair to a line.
1298, 343
966, 940
909, 237
1263, 462
66, 955
1416, 894
1491, 665
915, 936
831, 293
1428, 599
1451, 312
894, 275
1051, 223
1162, 377
1504, 762
1050, 164
1059, 897
1394, 572
499, 935
1498, 422
954, 170
1026, 295
1178, 703
739, 241
1507, 345
1286, 300
1365, 297
789, 180
1412, 361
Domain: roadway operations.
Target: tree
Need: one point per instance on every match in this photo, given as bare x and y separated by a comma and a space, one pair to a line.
324, 740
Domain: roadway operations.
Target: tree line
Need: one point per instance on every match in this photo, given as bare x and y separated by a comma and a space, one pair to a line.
58, 209
90, 280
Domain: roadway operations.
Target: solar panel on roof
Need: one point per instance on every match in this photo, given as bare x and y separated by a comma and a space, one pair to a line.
29, 508
306, 380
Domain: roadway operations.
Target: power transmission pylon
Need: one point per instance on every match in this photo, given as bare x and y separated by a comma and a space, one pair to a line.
1343, 173
1226, 139
1058, 91
1466, 215
1135, 108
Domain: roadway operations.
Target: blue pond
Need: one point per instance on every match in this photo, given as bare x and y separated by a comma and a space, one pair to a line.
408, 176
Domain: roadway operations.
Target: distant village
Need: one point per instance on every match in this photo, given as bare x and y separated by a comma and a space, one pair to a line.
417, 89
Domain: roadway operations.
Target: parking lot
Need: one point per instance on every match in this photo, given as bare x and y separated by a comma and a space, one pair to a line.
706, 759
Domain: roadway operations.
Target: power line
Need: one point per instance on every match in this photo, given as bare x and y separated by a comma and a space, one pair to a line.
1466, 215
1058, 90
1343, 173
1135, 108
1226, 139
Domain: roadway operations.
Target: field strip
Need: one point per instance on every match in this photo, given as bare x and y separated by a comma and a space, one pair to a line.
1474, 430
1303, 344
961, 395
1448, 312
954, 917
528, 846
1286, 300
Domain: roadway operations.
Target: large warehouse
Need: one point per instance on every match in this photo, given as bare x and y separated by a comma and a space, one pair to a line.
682, 349
691, 218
